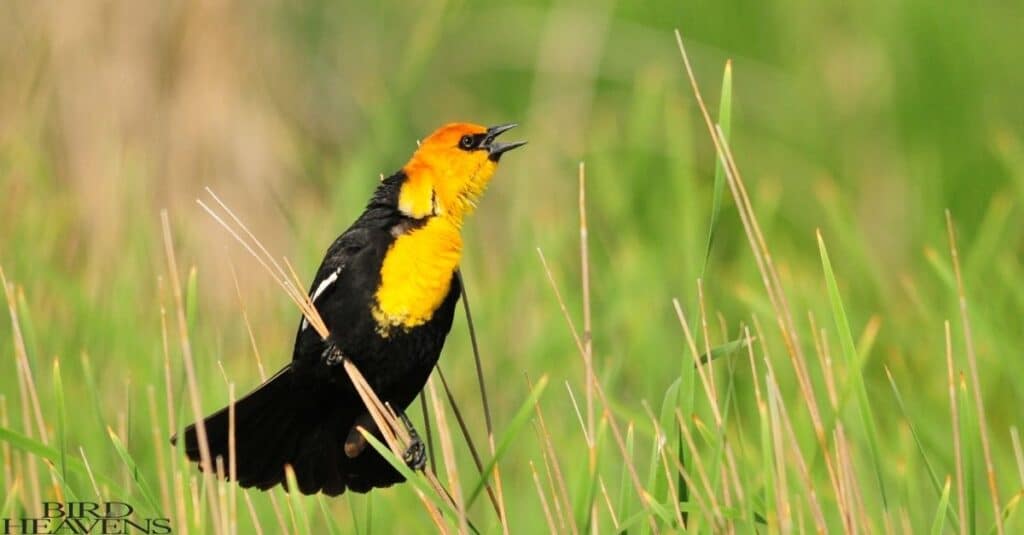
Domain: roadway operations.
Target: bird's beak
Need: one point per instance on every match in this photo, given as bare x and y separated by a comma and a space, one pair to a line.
495, 148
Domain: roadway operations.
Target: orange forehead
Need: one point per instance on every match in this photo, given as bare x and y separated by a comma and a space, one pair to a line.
450, 134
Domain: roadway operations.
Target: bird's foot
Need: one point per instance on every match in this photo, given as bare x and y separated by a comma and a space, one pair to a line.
415, 455
332, 355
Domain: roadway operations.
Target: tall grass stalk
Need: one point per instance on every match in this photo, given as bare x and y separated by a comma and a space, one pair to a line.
972, 366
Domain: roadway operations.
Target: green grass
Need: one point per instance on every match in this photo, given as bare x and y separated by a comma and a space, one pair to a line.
866, 122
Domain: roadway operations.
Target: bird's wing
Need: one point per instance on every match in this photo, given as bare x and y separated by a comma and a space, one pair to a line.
341, 291
339, 256
324, 283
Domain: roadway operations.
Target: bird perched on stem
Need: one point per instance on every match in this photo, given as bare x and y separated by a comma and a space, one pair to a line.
386, 290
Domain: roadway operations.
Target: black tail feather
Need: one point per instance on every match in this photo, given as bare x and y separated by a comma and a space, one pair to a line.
284, 423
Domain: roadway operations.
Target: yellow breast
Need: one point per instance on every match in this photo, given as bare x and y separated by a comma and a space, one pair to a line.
416, 274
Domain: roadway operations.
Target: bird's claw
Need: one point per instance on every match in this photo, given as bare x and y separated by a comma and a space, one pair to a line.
332, 355
415, 455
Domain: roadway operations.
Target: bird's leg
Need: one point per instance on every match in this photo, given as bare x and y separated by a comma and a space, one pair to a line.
331, 355
415, 455
356, 442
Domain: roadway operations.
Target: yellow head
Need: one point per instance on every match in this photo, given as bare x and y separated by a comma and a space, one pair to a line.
451, 169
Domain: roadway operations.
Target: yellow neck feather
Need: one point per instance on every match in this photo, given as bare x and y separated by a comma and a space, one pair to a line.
416, 274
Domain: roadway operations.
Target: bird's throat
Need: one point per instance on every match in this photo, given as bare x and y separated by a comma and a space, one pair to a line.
416, 274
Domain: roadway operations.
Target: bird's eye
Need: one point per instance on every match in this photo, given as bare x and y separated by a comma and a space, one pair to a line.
466, 142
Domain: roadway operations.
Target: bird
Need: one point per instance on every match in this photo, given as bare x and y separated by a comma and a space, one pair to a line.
386, 289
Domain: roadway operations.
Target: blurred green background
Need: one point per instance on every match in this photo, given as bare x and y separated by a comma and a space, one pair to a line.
866, 120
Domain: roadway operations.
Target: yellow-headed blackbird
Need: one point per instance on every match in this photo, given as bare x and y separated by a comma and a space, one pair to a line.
387, 290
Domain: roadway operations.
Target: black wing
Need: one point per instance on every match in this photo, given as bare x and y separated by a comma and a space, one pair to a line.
328, 288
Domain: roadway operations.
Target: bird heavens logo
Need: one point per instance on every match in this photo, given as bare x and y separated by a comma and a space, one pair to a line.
98, 518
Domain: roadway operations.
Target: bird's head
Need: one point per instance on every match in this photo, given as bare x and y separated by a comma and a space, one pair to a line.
450, 170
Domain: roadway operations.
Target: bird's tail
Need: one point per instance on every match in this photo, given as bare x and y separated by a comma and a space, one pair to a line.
283, 422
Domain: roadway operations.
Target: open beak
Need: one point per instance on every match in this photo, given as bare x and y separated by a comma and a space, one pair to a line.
496, 148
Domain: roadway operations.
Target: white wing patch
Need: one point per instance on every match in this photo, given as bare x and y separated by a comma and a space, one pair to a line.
326, 283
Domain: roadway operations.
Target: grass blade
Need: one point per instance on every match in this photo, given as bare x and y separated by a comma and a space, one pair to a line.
34, 447
1008, 510
192, 299
854, 366
725, 120
13, 493
920, 445
972, 367
295, 502
133, 469
28, 330
624, 505
514, 426
62, 444
938, 523
723, 350
969, 432
332, 524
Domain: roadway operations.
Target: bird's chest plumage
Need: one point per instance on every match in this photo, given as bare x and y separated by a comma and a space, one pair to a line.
415, 276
